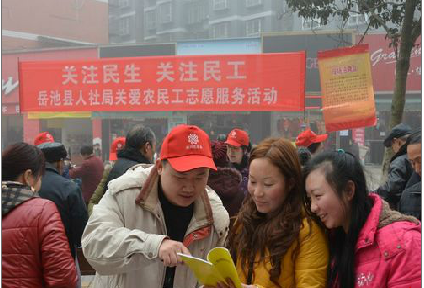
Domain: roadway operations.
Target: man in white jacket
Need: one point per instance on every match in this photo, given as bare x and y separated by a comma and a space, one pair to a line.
151, 213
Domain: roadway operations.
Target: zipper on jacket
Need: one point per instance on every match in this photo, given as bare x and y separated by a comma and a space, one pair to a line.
161, 218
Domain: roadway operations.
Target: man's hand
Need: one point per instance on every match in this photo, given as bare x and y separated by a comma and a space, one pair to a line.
168, 252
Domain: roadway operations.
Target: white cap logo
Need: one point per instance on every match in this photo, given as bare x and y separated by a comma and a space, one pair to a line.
193, 139
234, 134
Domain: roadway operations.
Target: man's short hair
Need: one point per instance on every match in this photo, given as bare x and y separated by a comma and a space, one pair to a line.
86, 150
138, 136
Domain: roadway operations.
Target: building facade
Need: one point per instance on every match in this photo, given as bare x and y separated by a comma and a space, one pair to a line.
47, 30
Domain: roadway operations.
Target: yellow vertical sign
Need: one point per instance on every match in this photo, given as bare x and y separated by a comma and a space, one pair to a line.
346, 87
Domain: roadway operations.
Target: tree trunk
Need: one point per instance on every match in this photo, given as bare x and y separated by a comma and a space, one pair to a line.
402, 68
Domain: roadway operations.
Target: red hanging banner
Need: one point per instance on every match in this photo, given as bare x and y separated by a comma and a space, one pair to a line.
262, 82
347, 90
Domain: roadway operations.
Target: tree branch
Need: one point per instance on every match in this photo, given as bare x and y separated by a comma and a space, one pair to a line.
365, 33
381, 22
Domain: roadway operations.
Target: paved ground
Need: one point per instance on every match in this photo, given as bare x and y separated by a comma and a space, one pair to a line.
86, 281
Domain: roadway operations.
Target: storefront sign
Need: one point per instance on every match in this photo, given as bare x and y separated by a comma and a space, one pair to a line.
347, 90
262, 82
9, 69
383, 64
358, 136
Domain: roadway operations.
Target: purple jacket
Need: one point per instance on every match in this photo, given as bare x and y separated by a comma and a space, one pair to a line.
388, 251
226, 183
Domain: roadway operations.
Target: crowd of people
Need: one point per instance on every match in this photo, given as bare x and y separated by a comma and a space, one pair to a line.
290, 215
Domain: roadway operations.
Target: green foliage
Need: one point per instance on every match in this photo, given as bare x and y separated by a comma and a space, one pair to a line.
381, 13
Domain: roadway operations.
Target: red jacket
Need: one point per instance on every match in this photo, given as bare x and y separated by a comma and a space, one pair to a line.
90, 172
35, 250
388, 251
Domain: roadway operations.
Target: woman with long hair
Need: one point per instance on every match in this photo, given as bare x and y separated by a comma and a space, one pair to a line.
35, 250
370, 245
274, 242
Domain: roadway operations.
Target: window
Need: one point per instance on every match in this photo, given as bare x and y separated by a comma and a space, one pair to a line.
251, 3
310, 24
220, 30
196, 13
254, 27
219, 4
124, 26
150, 19
124, 3
356, 18
165, 12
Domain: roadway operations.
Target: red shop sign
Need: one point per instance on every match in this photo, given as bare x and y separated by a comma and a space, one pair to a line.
383, 64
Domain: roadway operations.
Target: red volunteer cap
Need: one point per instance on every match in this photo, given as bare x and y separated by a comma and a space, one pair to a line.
307, 137
187, 147
44, 137
237, 138
117, 145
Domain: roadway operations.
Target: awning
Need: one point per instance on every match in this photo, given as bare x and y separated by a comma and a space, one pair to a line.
51, 115
386, 104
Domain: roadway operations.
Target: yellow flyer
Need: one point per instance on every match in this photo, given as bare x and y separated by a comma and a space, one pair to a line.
219, 267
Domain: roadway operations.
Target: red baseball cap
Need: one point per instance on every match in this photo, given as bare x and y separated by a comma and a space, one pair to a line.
307, 137
117, 145
237, 138
44, 137
187, 147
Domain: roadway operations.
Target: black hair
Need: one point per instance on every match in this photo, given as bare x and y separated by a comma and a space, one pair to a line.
86, 150
245, 158
339, 168
304, 155
18, 158
138, 136
414, 138
314, 147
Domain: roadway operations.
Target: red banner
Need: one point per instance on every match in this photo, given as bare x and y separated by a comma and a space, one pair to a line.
347, 90
263, 82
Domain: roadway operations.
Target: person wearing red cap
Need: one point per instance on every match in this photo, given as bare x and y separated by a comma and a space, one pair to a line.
311, 141
153, 212
117, 145
44, 137
238, 149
